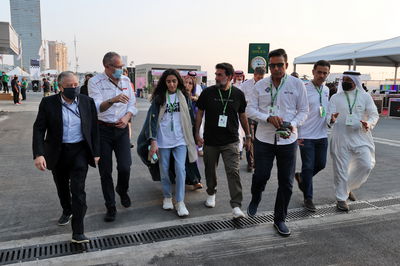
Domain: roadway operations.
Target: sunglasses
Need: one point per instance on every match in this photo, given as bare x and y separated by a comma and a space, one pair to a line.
192, 73
279, 65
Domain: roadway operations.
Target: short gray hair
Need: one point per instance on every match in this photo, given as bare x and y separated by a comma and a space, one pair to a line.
63, 75
108, 57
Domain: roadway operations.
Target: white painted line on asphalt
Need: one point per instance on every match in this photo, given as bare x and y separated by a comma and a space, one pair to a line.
387, 143
387, 140
2, 118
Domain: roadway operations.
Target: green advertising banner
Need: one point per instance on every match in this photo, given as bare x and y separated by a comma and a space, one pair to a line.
258, 56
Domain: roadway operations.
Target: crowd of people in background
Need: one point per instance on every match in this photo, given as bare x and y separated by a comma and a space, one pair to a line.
269, 117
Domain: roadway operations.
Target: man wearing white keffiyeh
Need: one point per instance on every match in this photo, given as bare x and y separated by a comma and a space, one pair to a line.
352, 114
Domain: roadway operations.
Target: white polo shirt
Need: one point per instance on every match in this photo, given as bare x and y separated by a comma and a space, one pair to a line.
315, 126
247, 87
291, 102
102, 89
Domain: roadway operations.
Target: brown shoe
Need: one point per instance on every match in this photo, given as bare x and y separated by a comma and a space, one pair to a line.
197, 186
342, 205
297, 176
352, 197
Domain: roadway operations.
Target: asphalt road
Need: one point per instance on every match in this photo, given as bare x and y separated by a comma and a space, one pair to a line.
30, 208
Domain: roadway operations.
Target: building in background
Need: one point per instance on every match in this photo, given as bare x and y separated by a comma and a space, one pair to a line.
58, 56
26, 20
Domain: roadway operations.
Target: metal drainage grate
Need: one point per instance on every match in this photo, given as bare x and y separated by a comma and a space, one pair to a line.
59, 249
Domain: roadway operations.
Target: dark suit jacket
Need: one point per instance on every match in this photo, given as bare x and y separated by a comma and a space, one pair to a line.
48, 129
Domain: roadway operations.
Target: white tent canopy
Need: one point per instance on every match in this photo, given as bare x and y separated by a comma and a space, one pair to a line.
377, 53
19, 72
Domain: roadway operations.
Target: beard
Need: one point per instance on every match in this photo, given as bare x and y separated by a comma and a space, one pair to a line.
220, 84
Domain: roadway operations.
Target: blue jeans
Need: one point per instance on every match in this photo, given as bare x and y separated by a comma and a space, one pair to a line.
313, 156
179, 154
264, 155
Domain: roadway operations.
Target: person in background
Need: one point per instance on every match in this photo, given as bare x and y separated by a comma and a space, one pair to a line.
46, 88
248, 88
5, 80
295, 74
126, 74
84, 87
15, 90
55, 86
24, 87
238, 79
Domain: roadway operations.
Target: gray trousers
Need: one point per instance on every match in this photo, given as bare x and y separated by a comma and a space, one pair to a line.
230, 156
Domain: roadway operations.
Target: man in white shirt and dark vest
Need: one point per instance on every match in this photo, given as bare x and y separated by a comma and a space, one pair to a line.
313, 135
279, 104
115, 103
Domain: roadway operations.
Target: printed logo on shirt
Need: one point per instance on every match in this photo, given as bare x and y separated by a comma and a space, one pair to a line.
288, 92
268, 89
173, 107
218, 100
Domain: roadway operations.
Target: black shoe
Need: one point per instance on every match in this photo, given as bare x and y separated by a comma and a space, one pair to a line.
125, 200
282, 228
297, 176
255, 200
249, 168
342, 205
64, 219
79, 239
309, 205
110, 215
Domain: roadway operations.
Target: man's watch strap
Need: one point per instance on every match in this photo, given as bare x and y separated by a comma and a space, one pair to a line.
110, 102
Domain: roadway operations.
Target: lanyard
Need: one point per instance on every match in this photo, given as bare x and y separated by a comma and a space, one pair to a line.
348, 101
273, 97
319, 90
115, 84
74, 112
227, 100
171, 109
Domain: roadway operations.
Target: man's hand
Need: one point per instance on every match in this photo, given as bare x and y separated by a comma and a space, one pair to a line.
121, 98
153, 148
365, 125
40, 163
123, 121
199, 140
276, 121
300, 142
247, 144
334, 117
96, 160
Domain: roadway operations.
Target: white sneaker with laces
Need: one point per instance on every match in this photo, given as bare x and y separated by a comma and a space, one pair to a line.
181, 209
167, 204
210, 201
237, 213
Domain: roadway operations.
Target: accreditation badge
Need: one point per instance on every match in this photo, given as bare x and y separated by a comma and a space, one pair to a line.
222, 121
272, 110
350, 119
322, 111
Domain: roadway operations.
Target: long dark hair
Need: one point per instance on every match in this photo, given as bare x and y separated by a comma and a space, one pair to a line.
159, 92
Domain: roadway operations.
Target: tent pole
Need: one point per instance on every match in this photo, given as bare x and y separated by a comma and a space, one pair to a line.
294, 67
395, 74
354, 64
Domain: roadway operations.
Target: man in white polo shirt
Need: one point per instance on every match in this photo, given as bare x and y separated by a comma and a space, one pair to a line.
279, 104
115, 103
313, 135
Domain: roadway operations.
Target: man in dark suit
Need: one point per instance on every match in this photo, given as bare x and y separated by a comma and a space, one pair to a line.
69, 122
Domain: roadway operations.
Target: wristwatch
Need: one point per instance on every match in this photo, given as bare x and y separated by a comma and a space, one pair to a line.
110, 102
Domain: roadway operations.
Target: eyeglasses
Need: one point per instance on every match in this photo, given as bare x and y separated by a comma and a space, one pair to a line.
279, 65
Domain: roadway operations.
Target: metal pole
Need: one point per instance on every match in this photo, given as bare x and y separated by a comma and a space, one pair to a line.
294, 67
395, 74
354, 64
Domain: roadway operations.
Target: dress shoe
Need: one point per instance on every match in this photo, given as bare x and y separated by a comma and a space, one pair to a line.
64, 219
309, 205
352, 197
282, 228
110, 214
342, 205
255, 200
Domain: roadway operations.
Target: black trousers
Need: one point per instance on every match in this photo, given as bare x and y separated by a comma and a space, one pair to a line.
15, 96
117, 140
5, 87
23, 93
69, 176
264, 155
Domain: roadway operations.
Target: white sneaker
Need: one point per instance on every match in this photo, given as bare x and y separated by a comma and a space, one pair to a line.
181, 209
237, 213
167, 204
210, 201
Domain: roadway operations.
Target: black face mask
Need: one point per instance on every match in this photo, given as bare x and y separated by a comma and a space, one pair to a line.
71, 93
347, 86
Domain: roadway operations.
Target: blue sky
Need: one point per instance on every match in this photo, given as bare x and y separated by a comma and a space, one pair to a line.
207, 32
